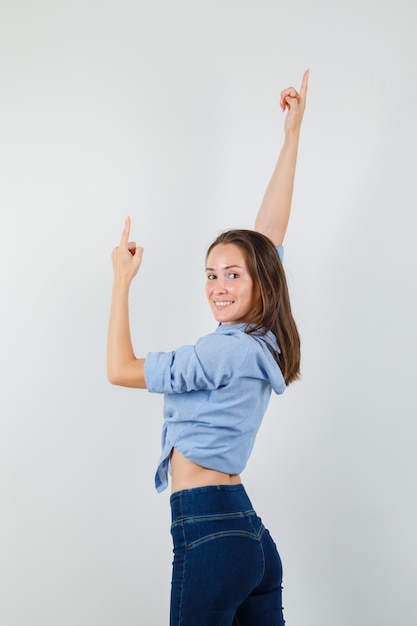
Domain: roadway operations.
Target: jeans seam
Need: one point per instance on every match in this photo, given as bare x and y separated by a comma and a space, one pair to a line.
183, 576
203, 518
259, 539
263, 559
260, 532
220, 535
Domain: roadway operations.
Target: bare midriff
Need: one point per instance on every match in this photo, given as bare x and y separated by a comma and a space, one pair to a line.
187, 475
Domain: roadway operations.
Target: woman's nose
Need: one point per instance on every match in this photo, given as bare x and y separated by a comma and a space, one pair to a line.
220, 286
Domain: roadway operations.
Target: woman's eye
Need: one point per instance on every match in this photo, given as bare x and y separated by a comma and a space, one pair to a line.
233, 275
210, 277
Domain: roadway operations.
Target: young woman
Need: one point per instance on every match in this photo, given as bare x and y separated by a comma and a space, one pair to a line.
226, 570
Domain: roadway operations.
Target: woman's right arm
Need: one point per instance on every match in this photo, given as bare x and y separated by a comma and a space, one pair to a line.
123, 368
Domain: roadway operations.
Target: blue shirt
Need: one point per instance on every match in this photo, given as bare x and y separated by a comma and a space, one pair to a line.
216, 394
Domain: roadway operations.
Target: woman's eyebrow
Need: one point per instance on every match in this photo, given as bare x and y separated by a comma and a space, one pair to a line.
226, 267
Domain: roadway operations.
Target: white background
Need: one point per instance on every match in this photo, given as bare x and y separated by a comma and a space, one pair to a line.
168, 111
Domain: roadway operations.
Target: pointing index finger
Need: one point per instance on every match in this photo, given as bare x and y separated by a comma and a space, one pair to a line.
304, 84
125, 234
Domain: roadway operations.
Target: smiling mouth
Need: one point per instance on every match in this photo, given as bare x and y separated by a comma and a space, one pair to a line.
222, 305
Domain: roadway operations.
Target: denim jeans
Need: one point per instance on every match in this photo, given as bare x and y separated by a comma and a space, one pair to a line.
226, 568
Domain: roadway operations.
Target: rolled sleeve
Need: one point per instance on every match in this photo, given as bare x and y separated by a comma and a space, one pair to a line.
206, 365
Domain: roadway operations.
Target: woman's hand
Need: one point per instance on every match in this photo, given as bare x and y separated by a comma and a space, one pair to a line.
295, 103
127, 257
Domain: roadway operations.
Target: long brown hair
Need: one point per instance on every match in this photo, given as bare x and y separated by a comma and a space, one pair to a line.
274, 313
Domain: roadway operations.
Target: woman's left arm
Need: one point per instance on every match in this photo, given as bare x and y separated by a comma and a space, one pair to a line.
274, 213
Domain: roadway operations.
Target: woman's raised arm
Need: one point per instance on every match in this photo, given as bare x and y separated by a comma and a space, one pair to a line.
123, 368
274, 213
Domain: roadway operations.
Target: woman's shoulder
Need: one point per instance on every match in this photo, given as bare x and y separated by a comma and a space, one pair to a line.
235, 338
226, 337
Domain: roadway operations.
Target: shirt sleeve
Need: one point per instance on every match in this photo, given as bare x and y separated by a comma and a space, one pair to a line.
208, 365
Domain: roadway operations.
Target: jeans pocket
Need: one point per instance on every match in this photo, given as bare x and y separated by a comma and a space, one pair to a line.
199, 530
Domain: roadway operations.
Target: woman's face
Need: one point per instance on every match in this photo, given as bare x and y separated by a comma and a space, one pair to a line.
232, 294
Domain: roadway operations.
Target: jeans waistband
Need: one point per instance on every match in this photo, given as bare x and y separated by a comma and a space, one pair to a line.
210, 500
